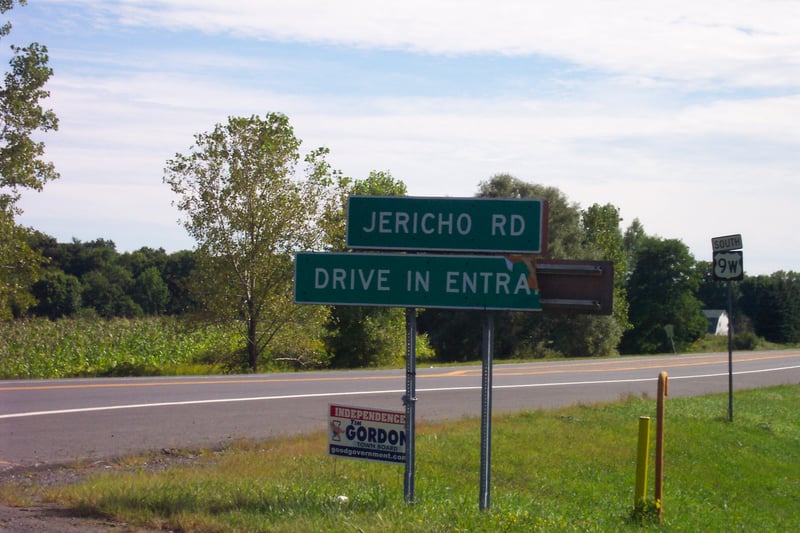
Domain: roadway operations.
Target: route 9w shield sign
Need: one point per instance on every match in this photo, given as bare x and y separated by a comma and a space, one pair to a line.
728, 266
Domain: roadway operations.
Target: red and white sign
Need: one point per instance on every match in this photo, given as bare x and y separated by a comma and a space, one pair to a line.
365, 433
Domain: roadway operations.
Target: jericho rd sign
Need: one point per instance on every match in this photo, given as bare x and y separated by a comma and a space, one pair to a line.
447, 224
405, 280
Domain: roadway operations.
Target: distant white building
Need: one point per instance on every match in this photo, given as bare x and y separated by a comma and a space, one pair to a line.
718, 322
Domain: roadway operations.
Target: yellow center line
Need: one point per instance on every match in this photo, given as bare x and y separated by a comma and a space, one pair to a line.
500, 370
174, 383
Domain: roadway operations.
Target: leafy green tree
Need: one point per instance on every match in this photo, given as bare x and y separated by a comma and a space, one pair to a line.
249, 212
150, 291
714, 295
379, 183
19, 265
366, 336
456, 335
601, 226
142, 259
773, 304
57, 294
144, 281
661, 291
106, 281
79, 258
21, 165
564, 232
631, 240
177, 274
107, 290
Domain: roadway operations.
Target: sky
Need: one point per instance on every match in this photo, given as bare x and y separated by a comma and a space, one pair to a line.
683, 114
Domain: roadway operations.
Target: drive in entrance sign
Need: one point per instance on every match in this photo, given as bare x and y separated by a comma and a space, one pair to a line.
447, 224
418, 280
366, 433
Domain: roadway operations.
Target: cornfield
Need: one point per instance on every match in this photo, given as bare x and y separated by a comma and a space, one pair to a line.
41, 348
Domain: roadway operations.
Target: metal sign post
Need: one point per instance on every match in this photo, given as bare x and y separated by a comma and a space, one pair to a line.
730, 352
487, 352
409, 400
728, 267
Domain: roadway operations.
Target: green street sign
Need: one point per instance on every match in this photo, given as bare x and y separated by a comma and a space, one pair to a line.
447, 224
406, 280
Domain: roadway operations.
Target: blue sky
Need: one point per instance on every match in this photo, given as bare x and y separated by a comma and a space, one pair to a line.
683, 115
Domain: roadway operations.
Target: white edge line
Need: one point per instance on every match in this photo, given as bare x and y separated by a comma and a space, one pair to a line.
364, 393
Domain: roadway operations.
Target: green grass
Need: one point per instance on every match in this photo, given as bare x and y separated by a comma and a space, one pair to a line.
570, 469
741, 342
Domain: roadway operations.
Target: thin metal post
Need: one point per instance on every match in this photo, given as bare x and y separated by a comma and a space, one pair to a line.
409, 400
730, 352
487, 349
663, 391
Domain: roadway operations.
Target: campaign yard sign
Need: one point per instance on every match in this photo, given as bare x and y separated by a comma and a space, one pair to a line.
366, 433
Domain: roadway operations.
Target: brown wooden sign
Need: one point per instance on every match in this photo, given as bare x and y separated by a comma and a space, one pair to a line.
570, 286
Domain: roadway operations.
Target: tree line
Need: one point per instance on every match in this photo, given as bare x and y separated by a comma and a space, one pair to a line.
657, 282
251, 199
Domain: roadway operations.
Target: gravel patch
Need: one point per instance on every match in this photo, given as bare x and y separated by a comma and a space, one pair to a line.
38, 516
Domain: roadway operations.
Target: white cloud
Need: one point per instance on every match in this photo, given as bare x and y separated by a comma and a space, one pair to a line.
748, 43
637, 133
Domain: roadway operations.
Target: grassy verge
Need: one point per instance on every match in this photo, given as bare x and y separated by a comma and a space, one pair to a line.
571, 469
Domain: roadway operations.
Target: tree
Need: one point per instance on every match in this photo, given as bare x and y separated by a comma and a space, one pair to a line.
661, 291
21, 165
142, 259
177, 274
601, 226
455, 335
362, 336
106, 291
150, 291
144, 281
19, 265
773, 304
249, 212
714, 295
564, 233
634, 236
58, 294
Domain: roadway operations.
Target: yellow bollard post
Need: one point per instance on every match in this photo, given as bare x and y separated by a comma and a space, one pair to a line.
642, 458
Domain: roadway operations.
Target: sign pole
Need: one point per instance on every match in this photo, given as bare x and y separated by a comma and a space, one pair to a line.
409, 400
728, 266
487, 349
730, 352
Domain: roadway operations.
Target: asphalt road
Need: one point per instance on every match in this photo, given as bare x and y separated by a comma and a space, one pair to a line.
56, 421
